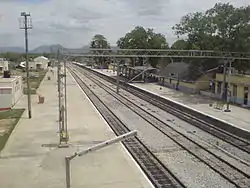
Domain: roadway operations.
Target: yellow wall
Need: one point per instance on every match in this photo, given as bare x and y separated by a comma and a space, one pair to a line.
241, 81
235, 79
202, 83
188, 85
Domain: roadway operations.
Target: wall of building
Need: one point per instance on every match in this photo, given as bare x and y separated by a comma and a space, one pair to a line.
9, 97
5, 98
187, 87
239, 81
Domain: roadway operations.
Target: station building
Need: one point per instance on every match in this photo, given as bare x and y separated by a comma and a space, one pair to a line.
238, 88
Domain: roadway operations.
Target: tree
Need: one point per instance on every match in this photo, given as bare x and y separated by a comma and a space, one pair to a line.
221, 28
141, 38
179, 45
99, 41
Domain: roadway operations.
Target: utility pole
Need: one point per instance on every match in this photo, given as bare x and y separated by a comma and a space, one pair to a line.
117, 77
228, 87
27, 24
223, 96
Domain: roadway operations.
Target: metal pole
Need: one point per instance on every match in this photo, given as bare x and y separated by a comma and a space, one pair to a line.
65, 100
228, 87
27, 65
67, 165
117, 77
224, 81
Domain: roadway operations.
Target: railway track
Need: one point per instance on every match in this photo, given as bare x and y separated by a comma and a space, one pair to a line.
206, 155
159, 175
208, 127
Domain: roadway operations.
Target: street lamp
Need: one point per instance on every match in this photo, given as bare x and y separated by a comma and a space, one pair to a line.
26, 23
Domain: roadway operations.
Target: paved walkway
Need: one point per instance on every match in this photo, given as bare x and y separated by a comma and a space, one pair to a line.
238, 117
25, 163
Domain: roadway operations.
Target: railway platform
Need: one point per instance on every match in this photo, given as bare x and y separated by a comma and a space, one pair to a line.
31, 157
238, 117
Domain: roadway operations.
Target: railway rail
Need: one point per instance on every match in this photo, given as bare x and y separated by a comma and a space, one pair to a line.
208, 126
233, 174
159, 175
177, 110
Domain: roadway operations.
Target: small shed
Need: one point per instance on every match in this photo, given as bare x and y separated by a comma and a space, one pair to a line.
11, 91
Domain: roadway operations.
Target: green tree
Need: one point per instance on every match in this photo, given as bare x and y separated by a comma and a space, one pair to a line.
179, 45
141, 38
99, 41
221, 28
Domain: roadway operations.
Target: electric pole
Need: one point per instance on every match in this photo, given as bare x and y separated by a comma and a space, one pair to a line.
228, 87
26, 23
62, 101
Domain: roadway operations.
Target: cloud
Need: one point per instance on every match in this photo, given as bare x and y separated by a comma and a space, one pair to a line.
73, 23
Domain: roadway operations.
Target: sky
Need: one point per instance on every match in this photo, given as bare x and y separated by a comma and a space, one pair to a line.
72, 23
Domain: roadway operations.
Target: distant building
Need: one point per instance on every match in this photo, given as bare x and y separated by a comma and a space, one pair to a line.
11, 91
177, 76
4, 65
40, 62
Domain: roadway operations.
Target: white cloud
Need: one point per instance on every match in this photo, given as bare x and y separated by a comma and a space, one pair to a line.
73, 23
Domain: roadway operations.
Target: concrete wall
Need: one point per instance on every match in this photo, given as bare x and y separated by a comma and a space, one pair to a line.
190, 87
13, 95
5, 98
17, 90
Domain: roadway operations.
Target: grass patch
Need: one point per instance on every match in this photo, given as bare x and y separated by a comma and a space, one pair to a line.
8, 121
35, 81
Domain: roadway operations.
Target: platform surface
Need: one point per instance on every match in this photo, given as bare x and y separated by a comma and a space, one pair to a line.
238, 117
31, 157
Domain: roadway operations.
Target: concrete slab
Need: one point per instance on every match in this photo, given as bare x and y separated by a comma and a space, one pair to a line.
31, 158
239, 117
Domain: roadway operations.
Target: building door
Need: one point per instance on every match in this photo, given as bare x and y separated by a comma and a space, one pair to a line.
246, 95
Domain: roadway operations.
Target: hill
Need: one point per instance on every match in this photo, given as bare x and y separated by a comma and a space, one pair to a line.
12, 49
47, 49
